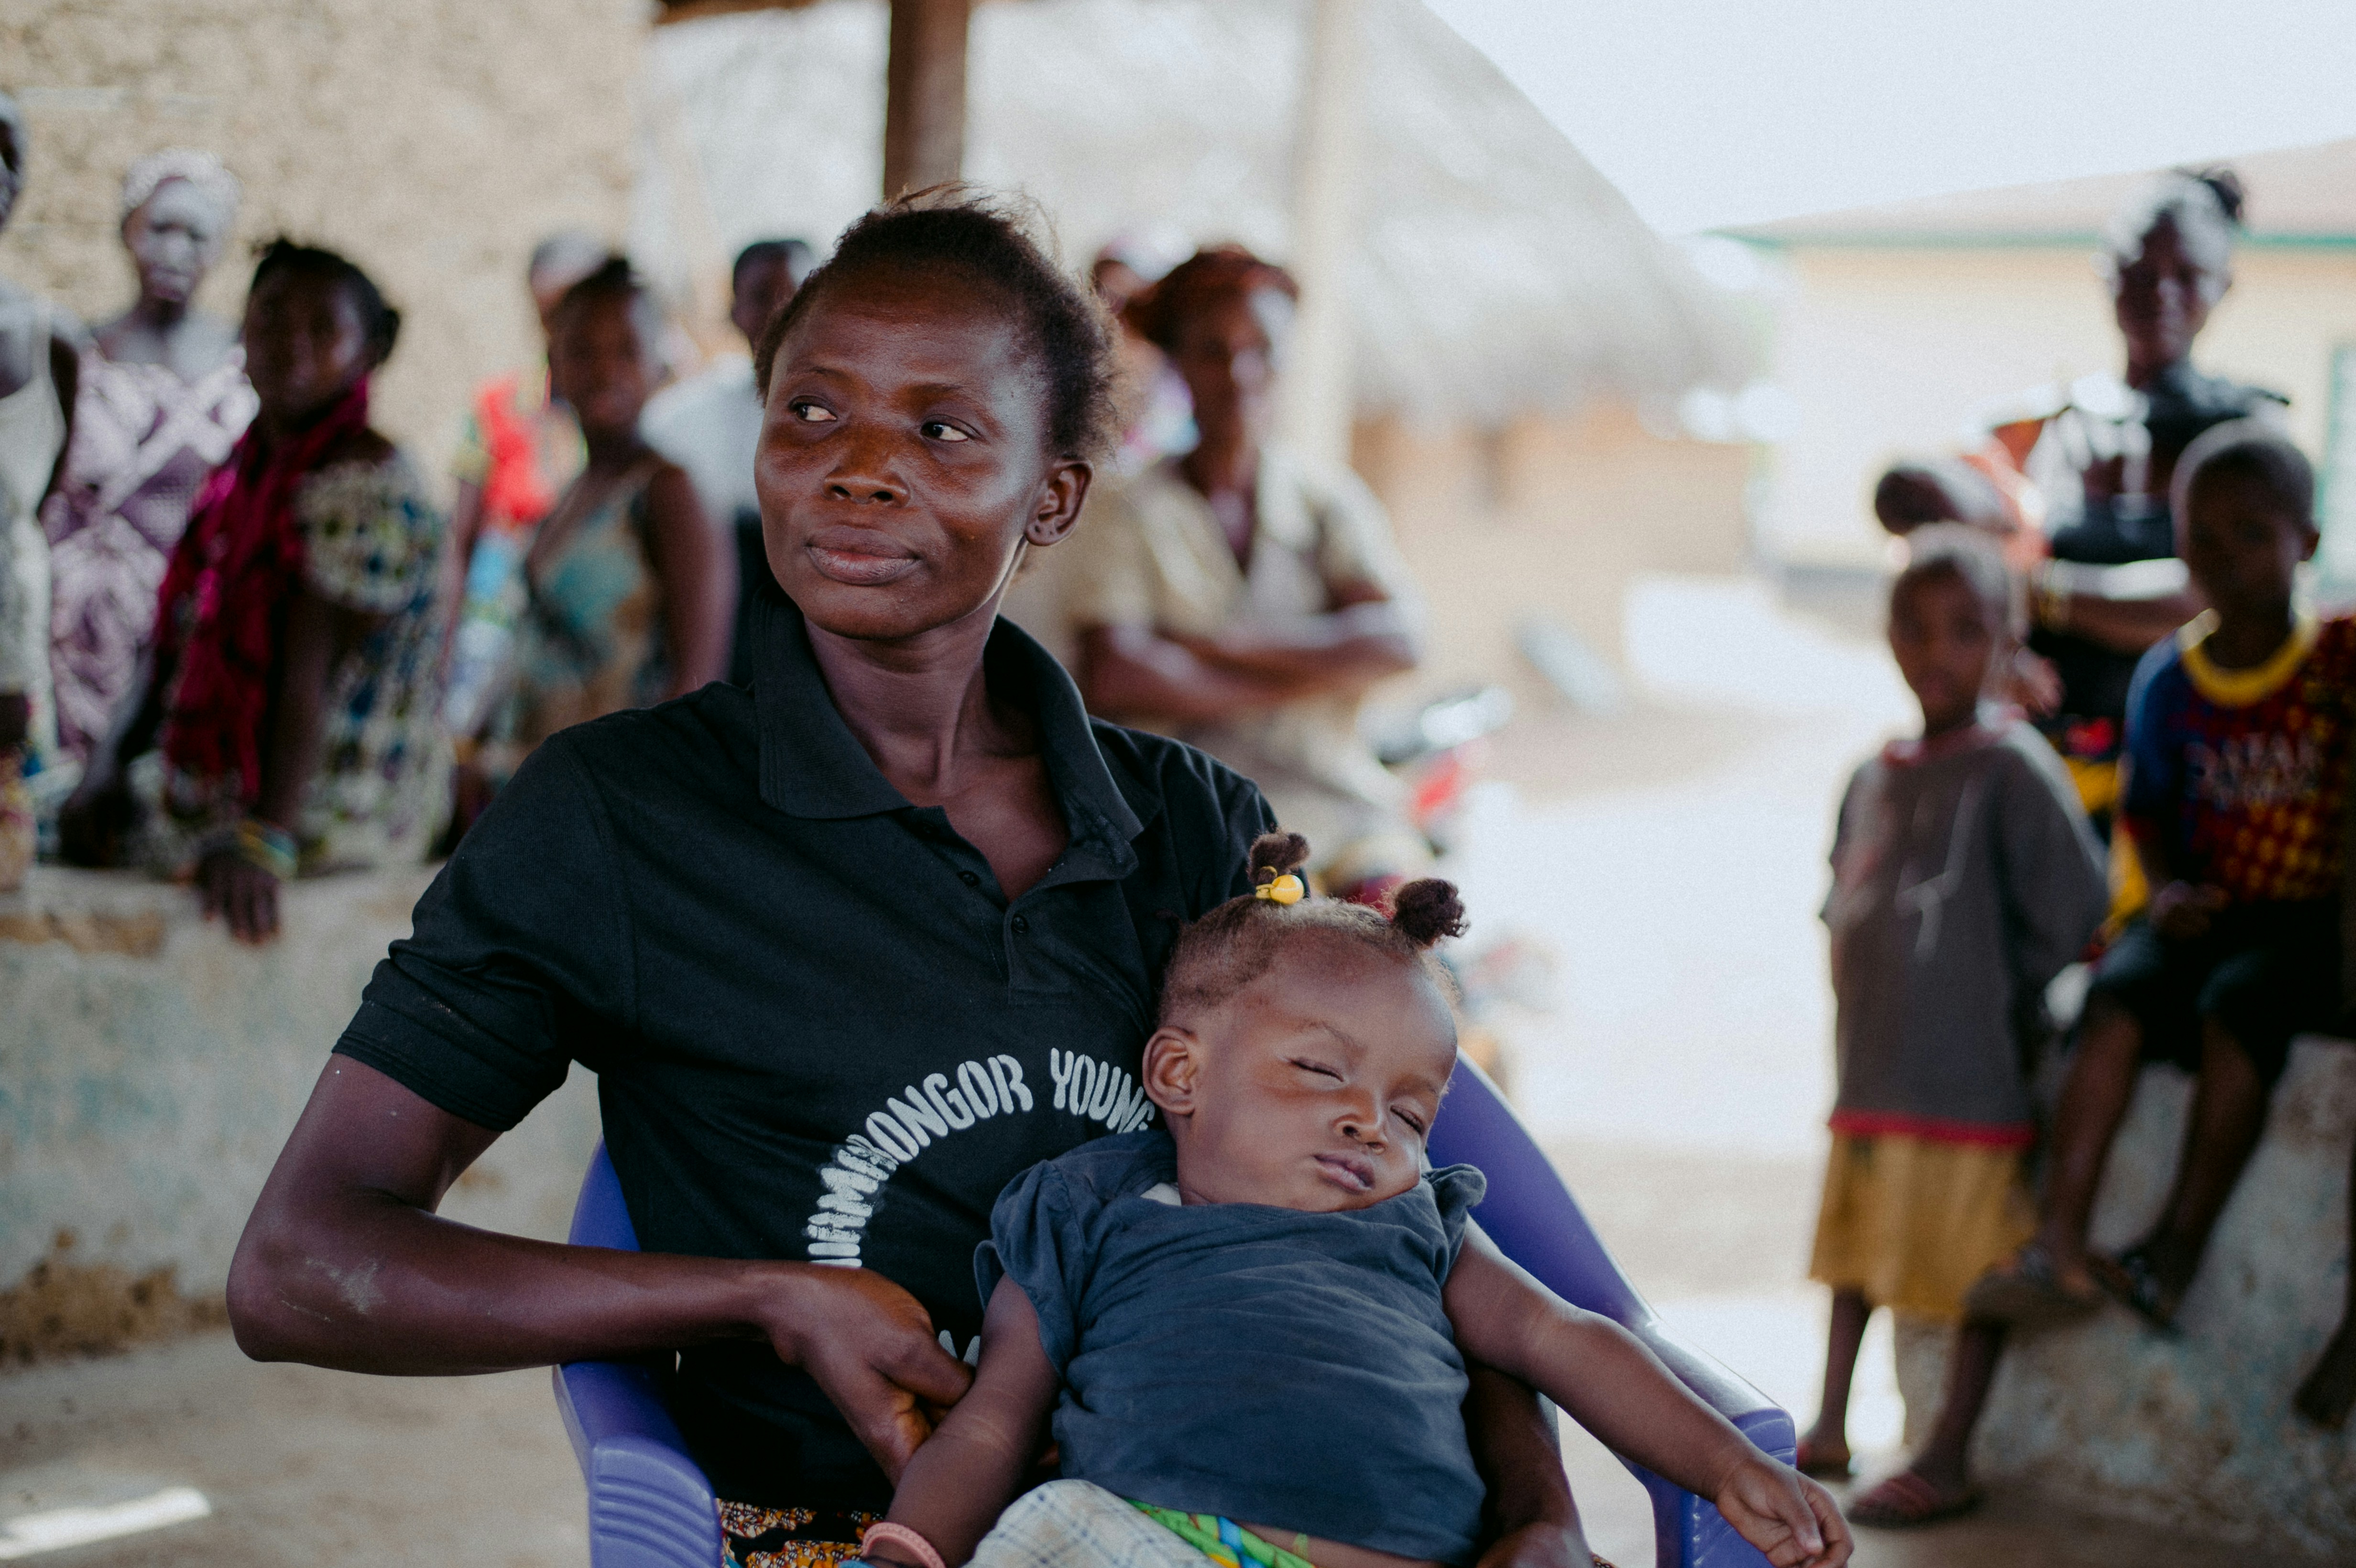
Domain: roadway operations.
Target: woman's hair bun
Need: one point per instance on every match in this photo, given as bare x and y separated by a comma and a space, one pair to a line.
1274, 854
1423, 912
2226, 186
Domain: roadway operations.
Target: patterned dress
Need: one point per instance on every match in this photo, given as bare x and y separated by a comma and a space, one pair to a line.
143, 441
32, 427
591, 638
370, 538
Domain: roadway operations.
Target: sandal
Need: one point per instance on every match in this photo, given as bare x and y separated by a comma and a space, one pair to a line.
1808, 1461
2027, 1294
2132, 1278
1906, 1500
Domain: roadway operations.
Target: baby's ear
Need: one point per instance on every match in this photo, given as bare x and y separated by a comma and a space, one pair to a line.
1174, 1058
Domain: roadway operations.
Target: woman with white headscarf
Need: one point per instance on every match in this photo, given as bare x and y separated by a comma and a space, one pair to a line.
163, 399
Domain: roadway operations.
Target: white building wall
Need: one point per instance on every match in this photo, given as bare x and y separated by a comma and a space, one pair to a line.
1891, 351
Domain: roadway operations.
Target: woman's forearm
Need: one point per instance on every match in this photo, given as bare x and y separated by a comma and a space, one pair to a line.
364, 1282
699, 583
344, 1263
1135, 672
1519, 1456
299, 716
2126, 626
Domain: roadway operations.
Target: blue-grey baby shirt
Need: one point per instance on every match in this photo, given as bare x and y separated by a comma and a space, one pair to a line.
1263, 1364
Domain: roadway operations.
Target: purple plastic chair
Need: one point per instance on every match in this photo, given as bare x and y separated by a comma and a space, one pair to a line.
650, 1506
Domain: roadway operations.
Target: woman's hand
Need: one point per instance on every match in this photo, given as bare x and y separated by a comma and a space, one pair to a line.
241, 892
1783, 1513
870, 1345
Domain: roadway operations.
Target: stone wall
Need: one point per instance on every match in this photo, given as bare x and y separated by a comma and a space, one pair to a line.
433, 141
2196, 1431
150, 1070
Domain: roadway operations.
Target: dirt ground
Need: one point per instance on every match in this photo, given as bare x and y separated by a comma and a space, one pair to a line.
1669, 859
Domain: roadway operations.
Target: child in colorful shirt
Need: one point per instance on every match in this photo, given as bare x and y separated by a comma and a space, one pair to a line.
2237, 775
1252, 1330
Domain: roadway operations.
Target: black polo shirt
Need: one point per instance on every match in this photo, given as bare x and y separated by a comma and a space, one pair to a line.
820, 1030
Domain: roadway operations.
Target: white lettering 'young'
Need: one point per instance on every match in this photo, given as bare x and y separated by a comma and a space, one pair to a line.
933, 1109
1098, 1091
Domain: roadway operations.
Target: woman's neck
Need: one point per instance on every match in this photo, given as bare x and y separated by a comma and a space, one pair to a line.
2143, 373
1223, 462
275, 428
920, 709
613, 450
160, 316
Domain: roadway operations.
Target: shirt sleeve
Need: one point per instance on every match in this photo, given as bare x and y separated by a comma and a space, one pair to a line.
519, 960
371, 536
1038, 1239
1457, 1189
2151, 784
1844, 830
1109, 577
2056, 881
1245, 815
471, 463
1355, 545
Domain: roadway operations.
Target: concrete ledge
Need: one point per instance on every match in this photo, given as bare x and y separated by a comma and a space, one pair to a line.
150, 1069
2196, 1432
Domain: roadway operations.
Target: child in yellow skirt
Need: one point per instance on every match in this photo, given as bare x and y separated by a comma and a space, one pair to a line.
1964, 877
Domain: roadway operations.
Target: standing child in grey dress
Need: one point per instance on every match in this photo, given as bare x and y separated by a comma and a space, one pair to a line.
1251, 1329
1964, 877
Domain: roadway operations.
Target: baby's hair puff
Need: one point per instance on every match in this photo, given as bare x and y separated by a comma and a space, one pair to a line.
1236, 943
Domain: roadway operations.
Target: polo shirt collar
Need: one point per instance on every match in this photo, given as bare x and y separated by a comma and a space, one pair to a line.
813, 767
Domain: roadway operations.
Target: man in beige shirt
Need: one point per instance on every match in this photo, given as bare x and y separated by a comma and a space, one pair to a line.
1242, 599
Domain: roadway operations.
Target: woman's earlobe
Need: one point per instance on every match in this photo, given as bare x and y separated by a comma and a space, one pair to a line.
1058, 512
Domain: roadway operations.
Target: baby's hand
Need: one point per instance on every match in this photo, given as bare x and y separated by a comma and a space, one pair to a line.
1785, 1515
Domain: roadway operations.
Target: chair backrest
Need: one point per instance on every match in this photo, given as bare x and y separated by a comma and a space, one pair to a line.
1530, 1212
600, 1217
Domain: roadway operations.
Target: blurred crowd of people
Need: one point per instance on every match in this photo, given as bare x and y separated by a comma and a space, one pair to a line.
245, 640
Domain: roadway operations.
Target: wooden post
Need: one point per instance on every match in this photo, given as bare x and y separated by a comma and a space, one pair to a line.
1316, 401
924, 111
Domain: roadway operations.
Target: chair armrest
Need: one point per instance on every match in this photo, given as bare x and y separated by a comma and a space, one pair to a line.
650, 1505
1754, 1413
1688, 1530
1531, 1215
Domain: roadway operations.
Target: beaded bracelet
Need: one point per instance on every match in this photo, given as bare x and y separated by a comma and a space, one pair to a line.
267, 846
901, 1535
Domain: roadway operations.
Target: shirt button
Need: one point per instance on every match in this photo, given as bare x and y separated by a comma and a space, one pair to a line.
1021, 925
969, 878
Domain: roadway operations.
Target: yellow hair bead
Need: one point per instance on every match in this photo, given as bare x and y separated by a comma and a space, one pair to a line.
1287, 889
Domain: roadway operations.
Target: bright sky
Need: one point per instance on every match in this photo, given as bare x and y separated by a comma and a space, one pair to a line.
1714, 112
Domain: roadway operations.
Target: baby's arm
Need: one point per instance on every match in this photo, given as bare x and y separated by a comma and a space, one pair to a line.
972, 1466
1617, 1389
